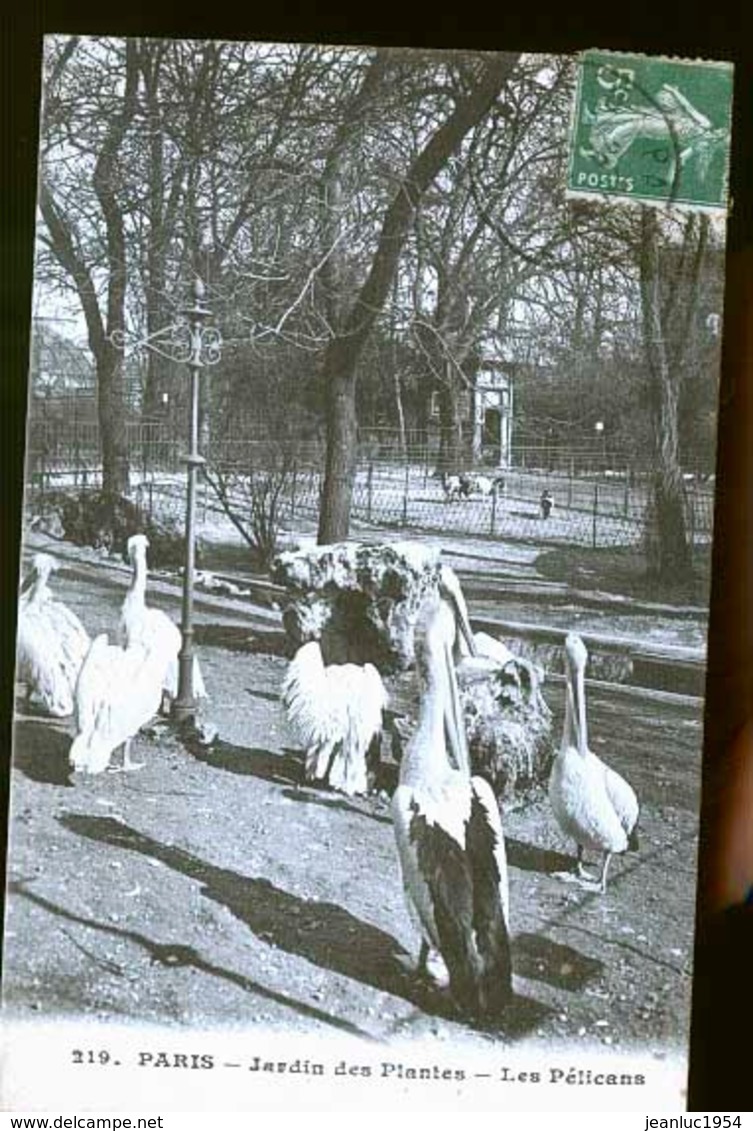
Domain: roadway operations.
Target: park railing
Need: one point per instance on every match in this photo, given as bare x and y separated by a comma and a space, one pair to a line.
590, 505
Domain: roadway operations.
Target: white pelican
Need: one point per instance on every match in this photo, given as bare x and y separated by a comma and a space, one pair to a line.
51, 643
449, 834
593, 804
119, 690
336, 713
141, 625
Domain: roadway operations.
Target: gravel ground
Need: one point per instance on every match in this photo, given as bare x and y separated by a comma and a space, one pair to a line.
212, 887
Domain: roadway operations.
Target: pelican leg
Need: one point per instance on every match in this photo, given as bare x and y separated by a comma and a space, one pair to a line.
580, 868
127, 763
605, 868
579, 874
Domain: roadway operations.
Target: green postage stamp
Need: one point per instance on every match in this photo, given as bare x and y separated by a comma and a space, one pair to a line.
651, 129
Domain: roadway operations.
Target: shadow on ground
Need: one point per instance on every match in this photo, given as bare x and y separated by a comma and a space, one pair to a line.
284, 769
533, 858
242, 638
542, 960
322, 933
174, 955
41, 751
334, 801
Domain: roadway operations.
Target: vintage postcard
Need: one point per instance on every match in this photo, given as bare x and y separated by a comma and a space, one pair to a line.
366, 556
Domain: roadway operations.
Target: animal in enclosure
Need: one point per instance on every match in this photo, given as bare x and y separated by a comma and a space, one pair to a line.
593, 804
451, 487
51, 642
336, 713
483, 485
140, 624
119, 690
449, 834
467, 484
546, 503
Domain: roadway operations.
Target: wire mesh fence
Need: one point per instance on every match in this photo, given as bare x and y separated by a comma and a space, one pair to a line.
585, 505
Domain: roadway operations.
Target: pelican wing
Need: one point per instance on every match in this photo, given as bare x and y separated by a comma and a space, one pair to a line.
488, 865
484, 796
141, 625
118, 691
365, 698
42, 661
95, 725
454, 889
72, 636
154, 630
581, 804
623, 799
335, 712
314, 713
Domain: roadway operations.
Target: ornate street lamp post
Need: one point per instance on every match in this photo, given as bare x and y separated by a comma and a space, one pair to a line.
188, 341
205, 350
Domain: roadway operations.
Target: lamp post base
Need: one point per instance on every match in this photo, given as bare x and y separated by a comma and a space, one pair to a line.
193, 727
184, 709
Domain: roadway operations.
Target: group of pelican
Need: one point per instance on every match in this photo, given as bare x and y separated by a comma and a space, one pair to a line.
113, 690
447, 824
448, 830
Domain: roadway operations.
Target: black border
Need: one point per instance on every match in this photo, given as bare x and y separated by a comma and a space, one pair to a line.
721, 29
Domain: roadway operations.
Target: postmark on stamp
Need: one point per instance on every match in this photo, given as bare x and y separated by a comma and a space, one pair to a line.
651, 129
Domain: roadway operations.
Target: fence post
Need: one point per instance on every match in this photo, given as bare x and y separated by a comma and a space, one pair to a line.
293, 488
493, 521
405, 494
596, 511
369, 490
627, 493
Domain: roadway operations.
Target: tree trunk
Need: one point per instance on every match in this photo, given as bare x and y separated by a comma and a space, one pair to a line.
112, 428
669, 553
342, 435
341, 358
452, 455
66, 246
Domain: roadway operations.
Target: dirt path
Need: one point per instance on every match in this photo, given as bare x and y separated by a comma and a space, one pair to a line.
213, 888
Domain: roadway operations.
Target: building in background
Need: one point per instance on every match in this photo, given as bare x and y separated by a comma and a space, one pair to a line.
491, 404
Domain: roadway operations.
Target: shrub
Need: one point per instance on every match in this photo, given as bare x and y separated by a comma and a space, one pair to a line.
104, 521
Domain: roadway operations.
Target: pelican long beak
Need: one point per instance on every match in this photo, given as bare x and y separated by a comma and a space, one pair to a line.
463, 623
454, 723
580, 710
450, 590
465, 629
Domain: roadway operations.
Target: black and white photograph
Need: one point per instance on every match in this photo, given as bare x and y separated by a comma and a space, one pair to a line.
365, 574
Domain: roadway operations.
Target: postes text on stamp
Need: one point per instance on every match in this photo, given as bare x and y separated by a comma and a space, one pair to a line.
651, 129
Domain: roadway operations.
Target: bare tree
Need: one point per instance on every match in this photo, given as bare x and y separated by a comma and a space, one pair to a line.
343, 352
669, 302
75, 245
